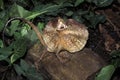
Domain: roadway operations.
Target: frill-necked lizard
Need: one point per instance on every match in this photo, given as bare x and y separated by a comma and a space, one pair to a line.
60, 35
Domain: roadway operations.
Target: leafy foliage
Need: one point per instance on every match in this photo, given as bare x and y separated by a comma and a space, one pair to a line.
101, 3
16, 50
115, 58
1, 43
78, 2
106, 73
28, 71
5, 53
94, 19
1, 4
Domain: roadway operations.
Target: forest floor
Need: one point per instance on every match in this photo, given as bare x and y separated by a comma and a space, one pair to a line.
106, 38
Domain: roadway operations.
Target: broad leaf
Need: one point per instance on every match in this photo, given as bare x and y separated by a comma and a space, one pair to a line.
24, 65
19, 49
1, 4
3, 57
1, 25
115, 58
1, 43
28, 71
22, 12
41, 26
19, 70
102, 3
13, 27
18, 11
5, 53
32, 74
3, 19
69, 13
25, 30
93, 19
60, 1
43, 9
106, 73
78, 2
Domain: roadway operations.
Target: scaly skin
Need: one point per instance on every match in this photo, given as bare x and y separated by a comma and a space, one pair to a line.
70, 35
59, 35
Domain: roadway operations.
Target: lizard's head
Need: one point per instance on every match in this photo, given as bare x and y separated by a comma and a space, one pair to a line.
56, 24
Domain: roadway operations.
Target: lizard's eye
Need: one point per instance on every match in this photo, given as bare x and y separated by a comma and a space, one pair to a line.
61, 26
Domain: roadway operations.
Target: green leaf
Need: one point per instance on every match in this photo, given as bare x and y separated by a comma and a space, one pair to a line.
3, 57
17, 35
32, 74
115, 53
3, 19
22, 12
28, 71
102, 3
23, 68
41, 26
1, 4
5, 53
2, 14
34, 14
1, 43
60, 1
13, 27
19, 48
32, 36
24, 65
81, 12
15, 30
48, 7
1, 25
89, 1
94, 19
14, 57
25, 30
115, 58
19, 70
69, 13
18, 11
78, 2
39, 10
106, 73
